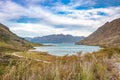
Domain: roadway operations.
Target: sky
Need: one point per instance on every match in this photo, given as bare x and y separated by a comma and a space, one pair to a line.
32, 18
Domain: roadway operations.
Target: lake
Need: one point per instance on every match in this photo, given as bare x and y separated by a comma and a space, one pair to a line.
61, 49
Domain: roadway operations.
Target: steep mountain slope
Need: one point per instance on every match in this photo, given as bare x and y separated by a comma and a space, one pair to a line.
10, 41
107, 35
59, 38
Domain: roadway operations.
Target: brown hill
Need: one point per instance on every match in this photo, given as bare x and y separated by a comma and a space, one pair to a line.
106, 35
9, 41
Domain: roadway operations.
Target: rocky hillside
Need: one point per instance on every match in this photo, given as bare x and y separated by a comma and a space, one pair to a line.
59, 38
106, 35
9, 41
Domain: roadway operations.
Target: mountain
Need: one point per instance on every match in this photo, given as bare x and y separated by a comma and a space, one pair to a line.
10, 41
106, 35
59, 38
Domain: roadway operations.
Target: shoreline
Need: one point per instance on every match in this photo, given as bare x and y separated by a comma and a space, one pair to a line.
66, 50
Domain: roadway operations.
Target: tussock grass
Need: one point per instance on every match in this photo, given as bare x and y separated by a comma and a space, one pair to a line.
75, 67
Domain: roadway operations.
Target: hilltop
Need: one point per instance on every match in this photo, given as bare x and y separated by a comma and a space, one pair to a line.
56, 38
106, 35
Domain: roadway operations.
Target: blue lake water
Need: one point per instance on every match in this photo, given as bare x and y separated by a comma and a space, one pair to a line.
61, 49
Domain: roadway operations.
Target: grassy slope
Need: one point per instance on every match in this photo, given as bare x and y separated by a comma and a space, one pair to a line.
11, 42
107, 35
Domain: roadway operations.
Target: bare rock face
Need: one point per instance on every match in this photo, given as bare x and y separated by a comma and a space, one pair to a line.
106, 35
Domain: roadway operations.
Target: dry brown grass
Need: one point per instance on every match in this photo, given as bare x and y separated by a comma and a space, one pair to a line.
75, 67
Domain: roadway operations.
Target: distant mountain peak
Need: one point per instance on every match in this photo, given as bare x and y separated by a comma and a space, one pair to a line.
56, 38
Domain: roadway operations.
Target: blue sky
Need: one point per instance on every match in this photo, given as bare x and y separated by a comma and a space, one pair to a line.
31, 18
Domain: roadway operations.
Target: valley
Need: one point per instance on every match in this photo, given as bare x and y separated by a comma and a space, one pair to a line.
17, 63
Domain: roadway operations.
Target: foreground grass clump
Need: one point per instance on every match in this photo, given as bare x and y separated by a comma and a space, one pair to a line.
75, 67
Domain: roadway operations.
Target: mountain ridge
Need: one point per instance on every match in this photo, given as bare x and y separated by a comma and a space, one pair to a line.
55, 38
106, 35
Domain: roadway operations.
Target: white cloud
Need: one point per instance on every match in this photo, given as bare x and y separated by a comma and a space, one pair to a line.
77, 3
31, 30
85, 19
10, 10
88, 18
